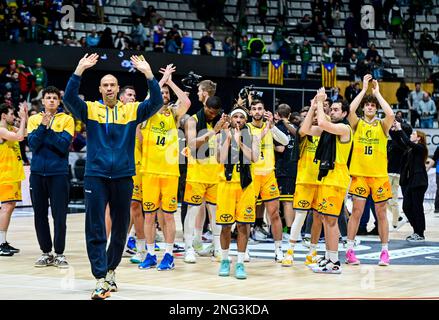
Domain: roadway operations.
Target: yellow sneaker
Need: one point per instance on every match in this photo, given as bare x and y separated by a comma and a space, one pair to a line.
288, 259
311, 258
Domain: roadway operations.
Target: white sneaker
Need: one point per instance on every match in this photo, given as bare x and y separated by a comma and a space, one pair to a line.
158, 237
208, 251
138, 257
278, 255
285, 237
259, 235
247, 255
198, 246
189, 256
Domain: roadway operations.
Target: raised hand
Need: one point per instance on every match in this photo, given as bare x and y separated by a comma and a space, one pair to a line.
321, 95
22, 113
375, 87
237, 134
366, 80
167, 73
270, 118
142, 65
86, 62
47, 117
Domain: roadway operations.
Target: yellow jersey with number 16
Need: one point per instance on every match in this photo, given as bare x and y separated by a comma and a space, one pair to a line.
369, 154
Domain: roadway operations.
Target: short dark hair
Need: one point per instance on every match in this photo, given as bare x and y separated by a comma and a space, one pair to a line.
51, 89
213, 102
125, 88
255, 102
345, 107
4, 109
283, 110
369, 99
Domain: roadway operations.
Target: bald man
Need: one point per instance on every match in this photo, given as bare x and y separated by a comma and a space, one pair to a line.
111, 130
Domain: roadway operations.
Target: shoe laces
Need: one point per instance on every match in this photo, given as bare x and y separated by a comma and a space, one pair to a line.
111, 276
101, 285
60, 258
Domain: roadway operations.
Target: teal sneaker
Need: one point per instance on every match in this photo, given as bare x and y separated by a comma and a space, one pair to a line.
138, 257
240, 271
167, 263
149, 262
224, 270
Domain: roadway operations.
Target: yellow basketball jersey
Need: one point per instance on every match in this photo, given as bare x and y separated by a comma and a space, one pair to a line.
307, 169
160, 152
204, 170
339, 176
369, 155
265, 163
137, 153
11, 163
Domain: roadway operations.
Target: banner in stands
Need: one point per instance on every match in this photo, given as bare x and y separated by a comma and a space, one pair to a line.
432, 139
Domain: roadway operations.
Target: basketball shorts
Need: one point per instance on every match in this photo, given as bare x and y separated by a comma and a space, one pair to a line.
195, 192
286, 188
10, 192
159, 191
306, 196
235, 204
137, 189
330, 200
379, 188
266, 187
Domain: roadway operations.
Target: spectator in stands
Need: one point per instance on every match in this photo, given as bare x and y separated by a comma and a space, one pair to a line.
9, 81
187, 43
13, 23
138, 34
106, 40
426, 110
350, 29
159, 32
229, 47
306, 56
279, 34
83, 13
174, 34
284, 53
137, 10
377, 68
326, 56
395, 21
243, 50
414, 98
171, 45
120, 41
434, 63
336, 96
332, 13
262, 6
99, 6
352, 67
40, 75
426, 41
402, 95
256, 48
93, 38
26, 79
352, 91
347, 52
360, 54
323, 35
82, 42
207, 43
304, 24
152, 16
372, 52
337, 56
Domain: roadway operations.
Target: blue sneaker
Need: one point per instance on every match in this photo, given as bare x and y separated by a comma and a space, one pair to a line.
149, 262
131, 245
240, 271
156, 247
167, 263
224, 268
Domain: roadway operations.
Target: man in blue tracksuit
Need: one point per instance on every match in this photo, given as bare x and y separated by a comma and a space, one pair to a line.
50, 134
111, 130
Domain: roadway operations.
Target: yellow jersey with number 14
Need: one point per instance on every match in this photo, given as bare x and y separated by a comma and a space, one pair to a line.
369, 154
160, 149
265, 163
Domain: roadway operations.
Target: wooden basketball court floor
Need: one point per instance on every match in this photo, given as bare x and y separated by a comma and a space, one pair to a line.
19, 279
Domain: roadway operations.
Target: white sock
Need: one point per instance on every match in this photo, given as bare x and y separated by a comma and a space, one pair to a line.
384, 246
169, 248
189, 226
132, 232
333, 256
240, 257
312, 248
150, 249
292, 245
140, 245
2, 237
351, 244
216, 228
225, 254
297, 225
277, 245
326, 255
198, 234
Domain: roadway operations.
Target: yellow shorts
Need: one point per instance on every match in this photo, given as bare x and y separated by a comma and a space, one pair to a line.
306, 196
379, 188
10, 192
330, 200
161, 190
235, 204
195, 192
266, 187
137, 190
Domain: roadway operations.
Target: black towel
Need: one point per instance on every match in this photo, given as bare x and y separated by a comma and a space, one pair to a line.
233, 159
202, 125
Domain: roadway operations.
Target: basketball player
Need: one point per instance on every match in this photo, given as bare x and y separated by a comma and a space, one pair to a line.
160, 170
265, 183
332, 152
50, 134
11, 169
202, 173
369, 165
238, 148
111, 131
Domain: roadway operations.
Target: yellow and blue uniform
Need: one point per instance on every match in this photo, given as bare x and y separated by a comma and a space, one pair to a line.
137, 179
305, 196
203, 175
11, 171
160, 168
369, 162
265, 183
109, 168
49, 177
333, 188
